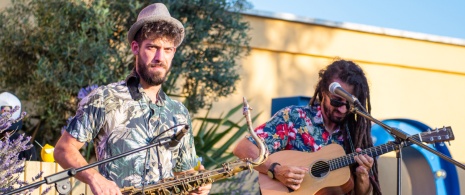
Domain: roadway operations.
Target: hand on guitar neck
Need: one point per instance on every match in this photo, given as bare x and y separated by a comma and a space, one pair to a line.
365, 162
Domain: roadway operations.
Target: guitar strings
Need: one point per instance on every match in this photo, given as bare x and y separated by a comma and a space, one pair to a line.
337, 163
349, 159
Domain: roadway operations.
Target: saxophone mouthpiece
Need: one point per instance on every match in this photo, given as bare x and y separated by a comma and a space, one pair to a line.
245, 108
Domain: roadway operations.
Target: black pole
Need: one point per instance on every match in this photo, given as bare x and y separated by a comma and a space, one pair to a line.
399, 170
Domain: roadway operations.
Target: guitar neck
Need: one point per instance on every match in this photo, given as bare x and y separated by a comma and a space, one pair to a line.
438, 135
347, 160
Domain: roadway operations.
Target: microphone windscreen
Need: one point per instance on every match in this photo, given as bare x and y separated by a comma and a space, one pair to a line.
333, 87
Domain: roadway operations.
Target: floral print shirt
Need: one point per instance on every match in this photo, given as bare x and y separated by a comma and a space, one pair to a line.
120, 117
298, 128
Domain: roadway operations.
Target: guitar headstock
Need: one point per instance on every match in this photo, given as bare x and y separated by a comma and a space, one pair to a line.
437, 135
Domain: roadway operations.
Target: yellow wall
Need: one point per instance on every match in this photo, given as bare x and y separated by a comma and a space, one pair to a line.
409, 78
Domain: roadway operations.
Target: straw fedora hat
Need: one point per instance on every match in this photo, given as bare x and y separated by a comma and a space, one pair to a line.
152, 13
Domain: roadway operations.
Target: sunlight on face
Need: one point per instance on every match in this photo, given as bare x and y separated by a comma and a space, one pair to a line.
154, 59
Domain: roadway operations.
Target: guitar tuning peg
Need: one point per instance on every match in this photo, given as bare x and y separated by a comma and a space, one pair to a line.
448, 142
441, 144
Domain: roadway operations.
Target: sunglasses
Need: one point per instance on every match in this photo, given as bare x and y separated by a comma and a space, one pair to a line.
336, 103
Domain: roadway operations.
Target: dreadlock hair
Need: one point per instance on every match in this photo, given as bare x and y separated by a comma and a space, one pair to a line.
159, 29
358, 126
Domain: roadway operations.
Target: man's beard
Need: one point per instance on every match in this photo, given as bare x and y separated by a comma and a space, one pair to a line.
332, 118
152, 78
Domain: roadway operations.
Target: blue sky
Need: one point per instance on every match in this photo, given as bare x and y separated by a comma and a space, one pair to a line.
436, 17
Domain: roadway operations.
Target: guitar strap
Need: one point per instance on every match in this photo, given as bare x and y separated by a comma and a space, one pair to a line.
350, 138
352, 144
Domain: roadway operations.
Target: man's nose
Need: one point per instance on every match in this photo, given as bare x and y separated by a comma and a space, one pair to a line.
158, 56
342, 109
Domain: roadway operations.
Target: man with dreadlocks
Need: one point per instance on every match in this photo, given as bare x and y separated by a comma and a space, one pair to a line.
326, 120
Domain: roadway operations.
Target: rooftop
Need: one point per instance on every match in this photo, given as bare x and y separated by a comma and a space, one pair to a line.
357, 27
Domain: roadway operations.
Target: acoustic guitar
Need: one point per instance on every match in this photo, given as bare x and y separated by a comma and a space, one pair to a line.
328, 168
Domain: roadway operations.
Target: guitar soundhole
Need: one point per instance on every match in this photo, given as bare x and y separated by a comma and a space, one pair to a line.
320, 169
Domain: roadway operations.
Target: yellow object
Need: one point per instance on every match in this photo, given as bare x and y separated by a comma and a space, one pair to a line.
199, 163
47, 153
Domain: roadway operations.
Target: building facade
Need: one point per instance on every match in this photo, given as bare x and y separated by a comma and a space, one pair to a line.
412, 76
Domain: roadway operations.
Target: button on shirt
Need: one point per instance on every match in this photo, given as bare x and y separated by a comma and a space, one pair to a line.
120, 117
298, 128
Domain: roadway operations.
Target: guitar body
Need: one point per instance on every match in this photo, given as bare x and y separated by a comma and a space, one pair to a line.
334, 182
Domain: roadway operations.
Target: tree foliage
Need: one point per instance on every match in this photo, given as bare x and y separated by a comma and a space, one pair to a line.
50, 49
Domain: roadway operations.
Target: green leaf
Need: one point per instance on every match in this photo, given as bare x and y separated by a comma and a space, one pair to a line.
218, 130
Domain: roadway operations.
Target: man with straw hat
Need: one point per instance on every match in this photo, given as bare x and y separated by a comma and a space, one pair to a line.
133, 113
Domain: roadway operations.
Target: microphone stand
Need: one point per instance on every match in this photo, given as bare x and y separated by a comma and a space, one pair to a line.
402, 138
61, 179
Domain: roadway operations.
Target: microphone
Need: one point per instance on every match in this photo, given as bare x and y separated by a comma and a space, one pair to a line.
177, 138
336, 89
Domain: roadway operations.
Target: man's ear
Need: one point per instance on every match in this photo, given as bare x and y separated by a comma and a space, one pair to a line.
135, 47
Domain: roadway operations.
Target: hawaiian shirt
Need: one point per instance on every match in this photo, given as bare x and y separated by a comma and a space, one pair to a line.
298, 128
120, 117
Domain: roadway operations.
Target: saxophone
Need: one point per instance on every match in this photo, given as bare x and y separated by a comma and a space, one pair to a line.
183, 184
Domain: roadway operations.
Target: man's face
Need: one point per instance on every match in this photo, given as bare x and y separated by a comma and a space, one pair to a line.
154, 58
332, 113
5, 109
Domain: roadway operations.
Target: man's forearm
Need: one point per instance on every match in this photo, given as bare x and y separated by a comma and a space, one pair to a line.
73, 159
67, 155
246, 149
